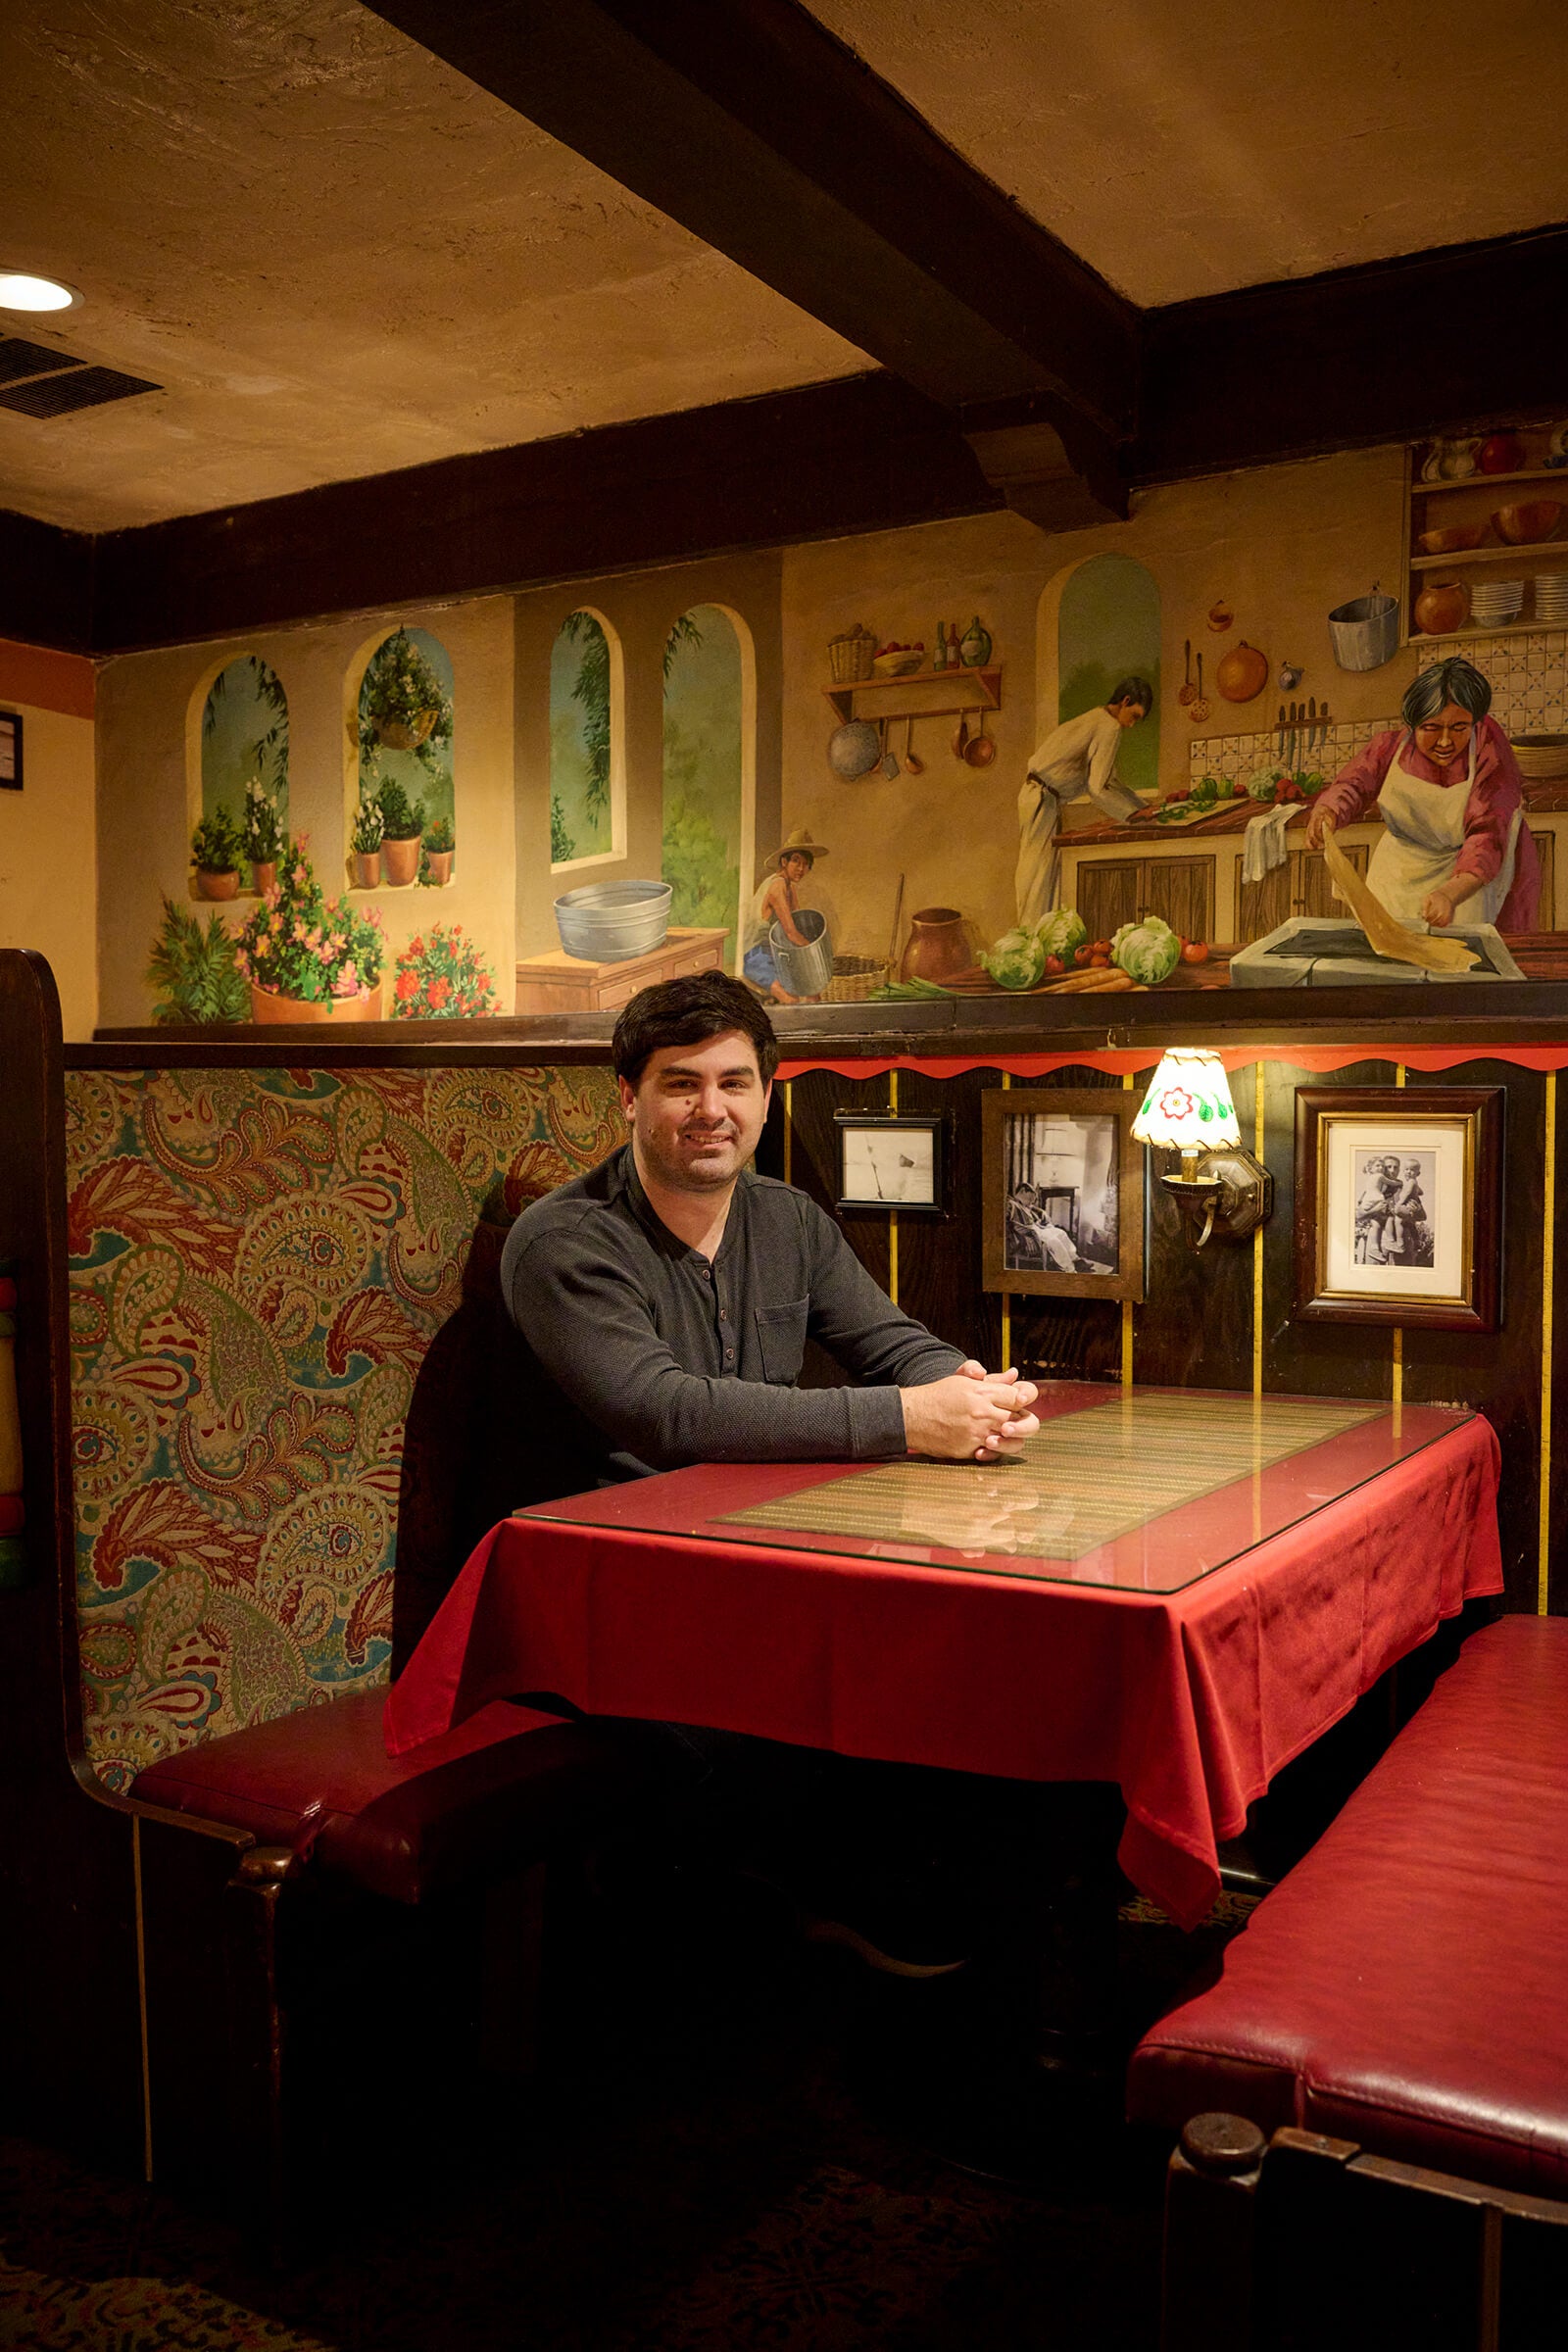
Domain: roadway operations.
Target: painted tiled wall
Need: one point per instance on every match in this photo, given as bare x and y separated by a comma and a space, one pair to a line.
1529, 675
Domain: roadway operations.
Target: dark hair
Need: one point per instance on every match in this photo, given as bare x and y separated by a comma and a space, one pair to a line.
683, 1013
1134, 690
1456, 680
793, 848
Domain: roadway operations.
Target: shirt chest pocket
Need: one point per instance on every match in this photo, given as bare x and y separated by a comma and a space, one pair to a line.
781, 1337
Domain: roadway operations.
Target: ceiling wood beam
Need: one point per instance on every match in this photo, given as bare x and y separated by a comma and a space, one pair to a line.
46, 578
864, 454
756, 129
1432, 342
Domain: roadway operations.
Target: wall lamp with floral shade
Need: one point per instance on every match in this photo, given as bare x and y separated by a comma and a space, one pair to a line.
1219, 1188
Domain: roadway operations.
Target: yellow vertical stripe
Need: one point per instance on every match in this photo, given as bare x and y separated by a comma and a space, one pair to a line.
1258, 1241
893, 1214
789, 1128
1397, 1349
1548, 1211
1126, 1304
1006, 1302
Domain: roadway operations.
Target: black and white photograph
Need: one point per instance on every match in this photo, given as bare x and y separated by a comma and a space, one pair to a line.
889, 1163
1399, 1206
1395, 1207
1063, 1192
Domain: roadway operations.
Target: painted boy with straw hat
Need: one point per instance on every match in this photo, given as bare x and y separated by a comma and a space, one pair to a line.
775, 901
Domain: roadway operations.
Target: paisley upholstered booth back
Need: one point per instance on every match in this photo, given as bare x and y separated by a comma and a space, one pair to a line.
260, 1261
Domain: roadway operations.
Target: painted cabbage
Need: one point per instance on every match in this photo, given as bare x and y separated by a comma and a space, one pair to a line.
1146, 954
1143, 922
1060, 931
1017, 960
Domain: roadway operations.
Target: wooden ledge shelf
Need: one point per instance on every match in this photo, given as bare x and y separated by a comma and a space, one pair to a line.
924, 694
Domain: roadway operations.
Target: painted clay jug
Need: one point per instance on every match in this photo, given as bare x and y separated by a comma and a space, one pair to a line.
938, 945
975, 645
1442, 606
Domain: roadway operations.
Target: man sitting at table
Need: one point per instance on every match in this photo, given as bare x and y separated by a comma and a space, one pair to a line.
664, 1300
666, 1297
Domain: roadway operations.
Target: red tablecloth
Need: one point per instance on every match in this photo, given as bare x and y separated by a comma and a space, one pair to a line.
1190, 1700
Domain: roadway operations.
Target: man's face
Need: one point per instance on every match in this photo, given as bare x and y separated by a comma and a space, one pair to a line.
795, 867
1127, 714
697, 1111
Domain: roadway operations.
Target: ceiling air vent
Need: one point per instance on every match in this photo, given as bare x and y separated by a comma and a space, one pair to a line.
81, 388
20, 357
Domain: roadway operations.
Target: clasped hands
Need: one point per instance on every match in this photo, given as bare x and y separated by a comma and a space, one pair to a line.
973, 1415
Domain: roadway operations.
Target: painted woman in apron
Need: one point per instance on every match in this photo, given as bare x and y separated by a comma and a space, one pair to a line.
1449, 793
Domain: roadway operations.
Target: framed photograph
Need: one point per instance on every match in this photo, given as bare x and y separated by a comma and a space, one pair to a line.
10, 750
1063, 1192
892, 1163
1399, 1206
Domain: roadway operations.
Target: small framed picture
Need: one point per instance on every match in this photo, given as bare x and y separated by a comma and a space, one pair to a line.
891, 1163
1399, 1206
10, 750
1063, 1192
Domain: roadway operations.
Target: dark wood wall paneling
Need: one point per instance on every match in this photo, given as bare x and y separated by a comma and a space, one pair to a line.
1194, 1326
47, 577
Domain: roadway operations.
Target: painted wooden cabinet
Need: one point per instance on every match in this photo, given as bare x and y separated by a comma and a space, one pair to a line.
562, 983
1112, 890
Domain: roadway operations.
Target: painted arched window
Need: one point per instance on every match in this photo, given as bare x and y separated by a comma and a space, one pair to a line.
1107, 629
706, 798
586, 795
406, 734
245, 761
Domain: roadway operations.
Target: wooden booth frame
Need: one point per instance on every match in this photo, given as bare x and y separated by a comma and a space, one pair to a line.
1474, 1116
852, 1122
1001, 1107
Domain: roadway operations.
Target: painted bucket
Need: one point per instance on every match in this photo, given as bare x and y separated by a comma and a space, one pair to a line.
1365, 632
804, 972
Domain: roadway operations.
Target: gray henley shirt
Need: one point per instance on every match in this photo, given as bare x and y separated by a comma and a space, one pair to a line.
641, 1356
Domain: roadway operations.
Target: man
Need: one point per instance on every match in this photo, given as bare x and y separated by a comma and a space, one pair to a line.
664, 1300
1078, 757
778, 900
666, 1297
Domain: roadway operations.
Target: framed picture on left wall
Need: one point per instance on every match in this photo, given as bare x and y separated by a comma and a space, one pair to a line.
10, 750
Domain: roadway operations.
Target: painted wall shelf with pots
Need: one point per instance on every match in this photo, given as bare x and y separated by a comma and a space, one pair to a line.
1484, 628
1491, 555
923, 694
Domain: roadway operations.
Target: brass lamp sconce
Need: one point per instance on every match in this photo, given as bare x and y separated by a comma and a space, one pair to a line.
1221, 1189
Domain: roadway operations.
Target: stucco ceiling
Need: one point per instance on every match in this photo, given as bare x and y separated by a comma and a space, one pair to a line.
337, 256
1183, 149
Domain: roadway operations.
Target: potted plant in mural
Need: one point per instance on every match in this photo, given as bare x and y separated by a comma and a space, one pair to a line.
365, 845
439, 976
402, 833
195, 972
307, 959
215, 849
264, 836
439, 848
402, 703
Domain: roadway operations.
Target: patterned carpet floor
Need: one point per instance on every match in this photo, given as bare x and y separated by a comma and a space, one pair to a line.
739, 2156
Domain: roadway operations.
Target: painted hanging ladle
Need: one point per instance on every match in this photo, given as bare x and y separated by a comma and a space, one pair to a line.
914, 764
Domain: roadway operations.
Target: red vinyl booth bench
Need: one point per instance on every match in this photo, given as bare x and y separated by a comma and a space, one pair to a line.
1393, 2016
263, 1415
1403, 1985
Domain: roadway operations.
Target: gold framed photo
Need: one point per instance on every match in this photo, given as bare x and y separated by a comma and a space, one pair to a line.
1399, 1206
1062, 1185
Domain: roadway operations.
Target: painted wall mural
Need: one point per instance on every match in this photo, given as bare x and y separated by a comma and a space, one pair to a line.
405, 764
1107, 629
243, 822
582, 720
703, 771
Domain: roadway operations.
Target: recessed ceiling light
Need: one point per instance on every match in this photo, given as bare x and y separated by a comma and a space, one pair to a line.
20, 291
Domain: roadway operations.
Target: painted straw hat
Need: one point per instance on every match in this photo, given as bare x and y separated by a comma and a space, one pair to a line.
800, 839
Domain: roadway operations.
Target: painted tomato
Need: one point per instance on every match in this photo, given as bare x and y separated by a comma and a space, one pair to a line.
1055, 964
1195, 950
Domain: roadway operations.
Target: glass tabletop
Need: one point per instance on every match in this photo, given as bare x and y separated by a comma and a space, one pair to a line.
1142, 1489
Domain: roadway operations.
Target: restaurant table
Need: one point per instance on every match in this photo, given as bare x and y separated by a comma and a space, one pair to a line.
1175, 1590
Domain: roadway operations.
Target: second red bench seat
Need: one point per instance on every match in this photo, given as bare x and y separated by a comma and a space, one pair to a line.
1402, 1987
